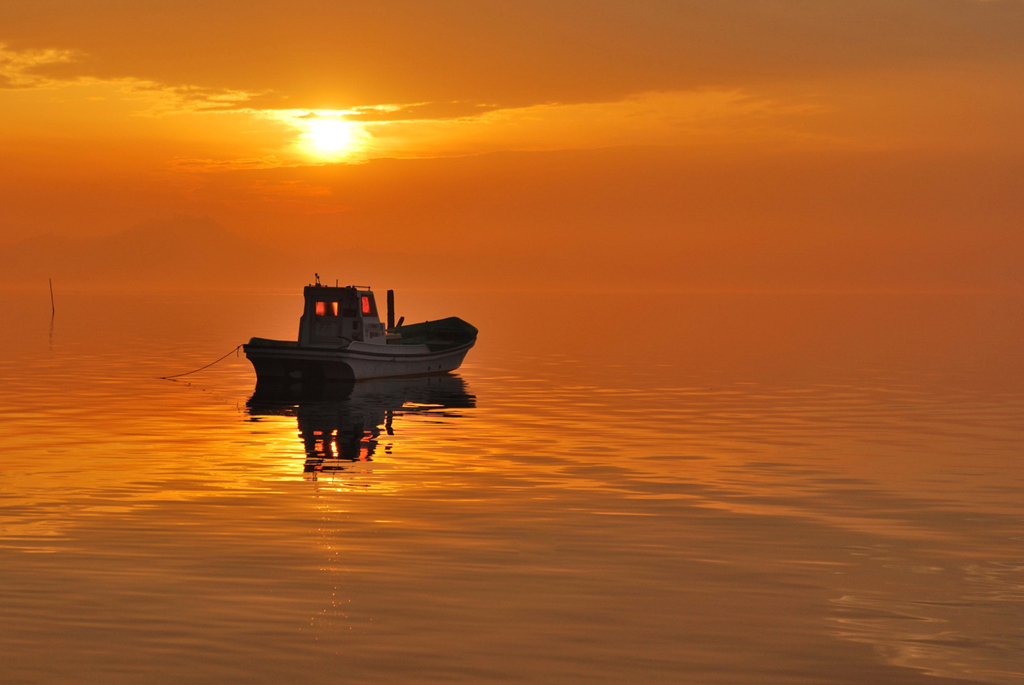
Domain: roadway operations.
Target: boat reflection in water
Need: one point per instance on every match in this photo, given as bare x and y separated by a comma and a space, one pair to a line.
341, 422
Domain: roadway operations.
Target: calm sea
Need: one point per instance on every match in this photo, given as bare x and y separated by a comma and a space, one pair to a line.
615, 488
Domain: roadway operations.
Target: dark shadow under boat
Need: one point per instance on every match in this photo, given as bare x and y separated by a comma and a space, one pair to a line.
341, 422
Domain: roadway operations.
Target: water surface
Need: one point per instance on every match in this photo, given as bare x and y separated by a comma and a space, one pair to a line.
640, 487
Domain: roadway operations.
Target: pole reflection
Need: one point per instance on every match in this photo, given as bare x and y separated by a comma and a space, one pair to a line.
341, 423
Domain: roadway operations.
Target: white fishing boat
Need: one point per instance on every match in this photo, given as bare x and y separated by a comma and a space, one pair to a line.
341, 339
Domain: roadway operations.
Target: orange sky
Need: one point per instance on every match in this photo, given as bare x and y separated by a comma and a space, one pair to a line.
689, 143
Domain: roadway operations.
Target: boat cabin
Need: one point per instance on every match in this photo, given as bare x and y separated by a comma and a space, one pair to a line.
336, 316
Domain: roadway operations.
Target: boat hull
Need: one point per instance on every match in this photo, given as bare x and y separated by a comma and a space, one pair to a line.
287, 364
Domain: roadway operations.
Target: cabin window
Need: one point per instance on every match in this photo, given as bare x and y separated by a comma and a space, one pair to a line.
369, 307
326, 308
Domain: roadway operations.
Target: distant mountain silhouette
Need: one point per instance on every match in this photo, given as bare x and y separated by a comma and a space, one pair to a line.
197, 251
178, 250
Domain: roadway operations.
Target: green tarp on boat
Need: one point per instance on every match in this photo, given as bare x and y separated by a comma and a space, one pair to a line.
437, 335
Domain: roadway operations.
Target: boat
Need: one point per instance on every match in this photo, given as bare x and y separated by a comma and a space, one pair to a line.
342, 339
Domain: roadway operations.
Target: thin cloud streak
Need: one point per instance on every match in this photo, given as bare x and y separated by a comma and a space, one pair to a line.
18, 69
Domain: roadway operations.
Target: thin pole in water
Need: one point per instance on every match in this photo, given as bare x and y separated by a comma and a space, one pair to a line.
53, 309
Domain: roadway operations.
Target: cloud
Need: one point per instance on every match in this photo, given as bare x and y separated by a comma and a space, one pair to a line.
420, 111
24, 69
53, 68
347, 54
655, 118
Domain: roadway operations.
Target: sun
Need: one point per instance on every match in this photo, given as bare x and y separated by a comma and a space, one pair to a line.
330, 137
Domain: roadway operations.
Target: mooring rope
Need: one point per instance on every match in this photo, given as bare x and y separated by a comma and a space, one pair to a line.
188, 373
